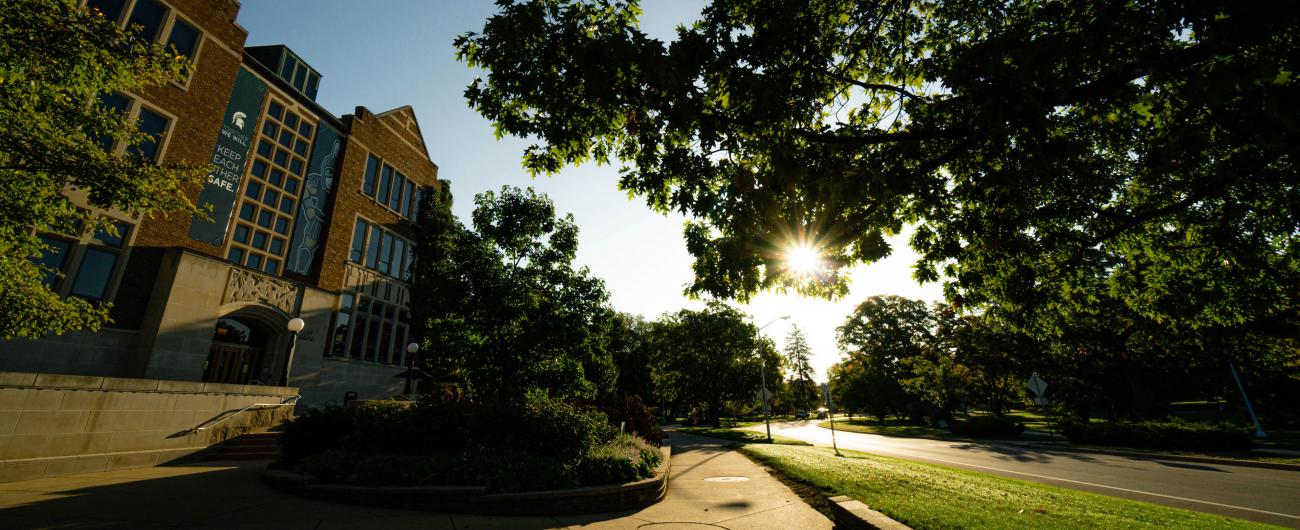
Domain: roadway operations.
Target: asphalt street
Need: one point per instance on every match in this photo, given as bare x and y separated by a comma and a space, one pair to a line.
1264, 495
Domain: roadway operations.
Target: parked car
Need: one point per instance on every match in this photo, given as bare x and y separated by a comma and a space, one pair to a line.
801, 415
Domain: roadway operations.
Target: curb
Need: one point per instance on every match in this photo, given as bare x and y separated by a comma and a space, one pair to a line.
474, 499
1113, 452
853, 515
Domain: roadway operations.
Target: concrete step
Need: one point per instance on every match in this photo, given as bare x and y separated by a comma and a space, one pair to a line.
252, 446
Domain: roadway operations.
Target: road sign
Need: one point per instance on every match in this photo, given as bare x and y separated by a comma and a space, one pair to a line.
764, 394
1036, 385
826, 392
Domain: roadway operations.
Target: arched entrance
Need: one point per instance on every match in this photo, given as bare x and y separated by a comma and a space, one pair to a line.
237, 353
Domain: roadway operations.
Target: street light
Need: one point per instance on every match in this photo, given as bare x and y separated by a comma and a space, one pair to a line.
762, 377
295, 325
410, 365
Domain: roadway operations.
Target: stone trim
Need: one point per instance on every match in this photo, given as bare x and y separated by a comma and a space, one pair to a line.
473, 499
86, 382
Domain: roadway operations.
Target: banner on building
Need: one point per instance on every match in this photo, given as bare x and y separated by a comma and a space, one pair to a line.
229, 158
315, 196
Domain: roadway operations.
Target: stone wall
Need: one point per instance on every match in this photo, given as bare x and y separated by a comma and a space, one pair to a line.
54, 425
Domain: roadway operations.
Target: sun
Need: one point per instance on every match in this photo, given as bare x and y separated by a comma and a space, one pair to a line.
803, 259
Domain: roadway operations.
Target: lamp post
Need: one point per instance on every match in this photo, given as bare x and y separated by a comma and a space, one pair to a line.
295, 325
762, 377
410, 365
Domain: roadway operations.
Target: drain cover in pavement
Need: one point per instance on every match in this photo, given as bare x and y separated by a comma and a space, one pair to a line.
726, 479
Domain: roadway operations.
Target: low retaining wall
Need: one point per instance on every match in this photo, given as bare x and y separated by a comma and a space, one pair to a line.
53, 425
853, 515
459, 499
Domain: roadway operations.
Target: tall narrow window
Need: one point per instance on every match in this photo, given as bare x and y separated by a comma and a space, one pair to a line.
372, 174
184, 38
399, 188
372, 251
116, 103
385, 253
399, 263
384, 181
338, 342
111, 9
155, 126
53, 258
358, 241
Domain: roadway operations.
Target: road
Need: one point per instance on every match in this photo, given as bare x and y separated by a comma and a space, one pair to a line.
1264, 495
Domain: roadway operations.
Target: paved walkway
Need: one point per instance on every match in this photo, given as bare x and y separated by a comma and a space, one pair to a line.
231, 495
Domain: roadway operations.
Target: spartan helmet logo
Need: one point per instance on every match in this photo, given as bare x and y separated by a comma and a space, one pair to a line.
238, 120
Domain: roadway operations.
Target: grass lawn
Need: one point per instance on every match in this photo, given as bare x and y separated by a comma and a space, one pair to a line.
889, 428
930, 496
748, 437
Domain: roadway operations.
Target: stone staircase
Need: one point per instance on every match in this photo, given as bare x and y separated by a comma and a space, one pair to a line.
251, 446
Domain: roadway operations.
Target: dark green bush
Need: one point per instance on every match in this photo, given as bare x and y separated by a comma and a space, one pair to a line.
987, 427
1170, 433
535, 445
635, 416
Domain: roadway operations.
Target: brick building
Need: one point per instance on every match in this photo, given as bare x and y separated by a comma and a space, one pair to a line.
312, 218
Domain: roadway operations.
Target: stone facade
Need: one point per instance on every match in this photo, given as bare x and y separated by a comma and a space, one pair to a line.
187, 310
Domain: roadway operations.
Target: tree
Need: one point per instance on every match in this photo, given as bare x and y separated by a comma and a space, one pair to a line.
507, 311
56, 59
628, 339
1051, 155
798, 354
707, 358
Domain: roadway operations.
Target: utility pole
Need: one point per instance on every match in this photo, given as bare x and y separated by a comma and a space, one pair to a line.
762, 377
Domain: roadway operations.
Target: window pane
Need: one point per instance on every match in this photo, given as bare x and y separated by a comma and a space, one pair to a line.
116, 104
286, 138
236, 255
275, 109
383, 184
277, 246
148, 14
313, 83
241, 234
358, 334
264, 148
305, 129
385, 247
276, 177
399, 345
291, 120
291, 185
373, 340
286, 205
259, 240
399, 249
104, 238
254, 190
270, 129
282, 157
372, 253
270, 198
300, 147
272, 266
53, 258
300, 78
286, 71
255, 261
184, 37
395, 200
339, 345
386, 344
282, 226
111, 9
295, 165
259, 168
154, 125
408, 198
410, 258
264, 219
247, 212
358, 241
372, 173
93, 275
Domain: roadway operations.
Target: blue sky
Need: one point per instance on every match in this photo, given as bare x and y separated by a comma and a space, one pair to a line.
383, 54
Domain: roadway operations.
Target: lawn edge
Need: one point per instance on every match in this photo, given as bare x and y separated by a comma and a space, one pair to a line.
1113, 452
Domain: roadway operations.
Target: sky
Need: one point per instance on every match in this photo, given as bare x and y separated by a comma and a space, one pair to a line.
383, 54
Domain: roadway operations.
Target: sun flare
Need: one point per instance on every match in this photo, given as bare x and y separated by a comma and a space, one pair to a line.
803, 259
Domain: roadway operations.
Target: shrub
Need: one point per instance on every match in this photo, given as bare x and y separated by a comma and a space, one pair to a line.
988, 427
624, 459
636, 417
1170, 433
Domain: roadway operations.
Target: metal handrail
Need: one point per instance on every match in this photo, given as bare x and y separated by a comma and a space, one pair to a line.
293, 400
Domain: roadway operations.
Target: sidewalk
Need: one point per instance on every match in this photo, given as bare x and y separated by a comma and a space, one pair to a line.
231, 495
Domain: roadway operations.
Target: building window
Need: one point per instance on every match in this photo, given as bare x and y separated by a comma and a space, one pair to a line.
383, 250
86, 265
152, 20
389, 187
150, 121
266, 211
369, 329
